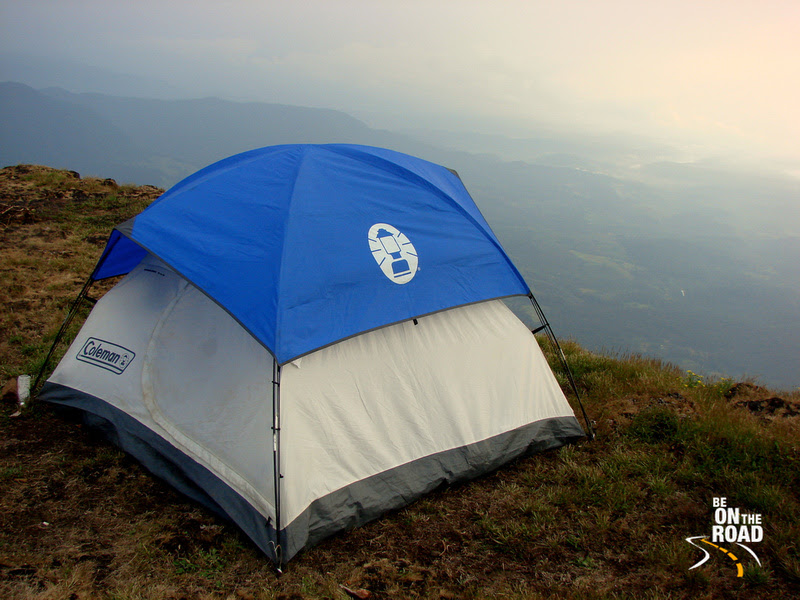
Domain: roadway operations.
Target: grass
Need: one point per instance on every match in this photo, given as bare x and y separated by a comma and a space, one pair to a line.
606, 519
49, 251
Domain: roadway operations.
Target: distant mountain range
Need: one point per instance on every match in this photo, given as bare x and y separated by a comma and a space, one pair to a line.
153, 141
697, 265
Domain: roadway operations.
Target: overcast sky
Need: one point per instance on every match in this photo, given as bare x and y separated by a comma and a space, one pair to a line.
723, 76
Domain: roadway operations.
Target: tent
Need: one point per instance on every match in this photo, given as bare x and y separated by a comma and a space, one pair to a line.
308, 336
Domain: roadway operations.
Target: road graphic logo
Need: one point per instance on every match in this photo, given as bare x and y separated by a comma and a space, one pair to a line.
731, 526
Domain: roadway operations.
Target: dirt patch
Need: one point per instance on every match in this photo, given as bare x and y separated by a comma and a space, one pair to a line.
746, 389
626, 409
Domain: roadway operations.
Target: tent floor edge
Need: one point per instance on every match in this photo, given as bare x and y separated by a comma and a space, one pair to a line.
372, 497
166, 462
336, 512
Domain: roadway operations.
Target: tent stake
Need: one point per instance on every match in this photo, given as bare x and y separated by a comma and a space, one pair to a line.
64, 326
551, 336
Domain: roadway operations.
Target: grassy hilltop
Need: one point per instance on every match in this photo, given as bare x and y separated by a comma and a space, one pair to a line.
603, 519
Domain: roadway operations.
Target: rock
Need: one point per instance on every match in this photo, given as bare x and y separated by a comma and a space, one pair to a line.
359, 594
770, 406
743, 388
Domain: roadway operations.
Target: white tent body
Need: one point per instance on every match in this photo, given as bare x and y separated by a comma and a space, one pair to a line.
366, 425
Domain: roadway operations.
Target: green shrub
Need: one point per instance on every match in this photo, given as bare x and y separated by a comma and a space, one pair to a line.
654, 424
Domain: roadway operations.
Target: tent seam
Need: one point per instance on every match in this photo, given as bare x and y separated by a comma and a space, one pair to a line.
286, 227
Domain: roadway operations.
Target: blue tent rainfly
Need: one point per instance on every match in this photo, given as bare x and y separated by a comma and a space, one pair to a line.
290, 240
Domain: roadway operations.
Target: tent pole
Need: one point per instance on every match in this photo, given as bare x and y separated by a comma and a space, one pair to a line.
276, 458
551, 336
64, 326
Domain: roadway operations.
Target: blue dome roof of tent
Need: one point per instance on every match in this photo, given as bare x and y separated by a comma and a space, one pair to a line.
306, 245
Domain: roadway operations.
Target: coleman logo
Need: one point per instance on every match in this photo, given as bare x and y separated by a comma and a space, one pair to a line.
106, 355
394, 253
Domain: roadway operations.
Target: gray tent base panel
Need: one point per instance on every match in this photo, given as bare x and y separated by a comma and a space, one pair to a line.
369, 498
343, 509
166, 462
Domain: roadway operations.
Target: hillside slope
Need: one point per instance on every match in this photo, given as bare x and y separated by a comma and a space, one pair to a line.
602, 519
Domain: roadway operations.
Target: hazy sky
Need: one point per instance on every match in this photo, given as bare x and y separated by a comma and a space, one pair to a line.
722, 76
